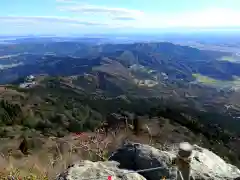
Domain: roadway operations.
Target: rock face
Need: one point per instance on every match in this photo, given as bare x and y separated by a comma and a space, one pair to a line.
137, 156
204, 165
98, 171
207, 165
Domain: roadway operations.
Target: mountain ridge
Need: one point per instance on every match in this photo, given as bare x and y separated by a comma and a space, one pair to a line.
88, 87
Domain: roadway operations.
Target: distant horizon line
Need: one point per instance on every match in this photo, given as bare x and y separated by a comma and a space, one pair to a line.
137, 32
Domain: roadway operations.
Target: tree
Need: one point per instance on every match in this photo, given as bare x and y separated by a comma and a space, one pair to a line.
24, 146
136, 124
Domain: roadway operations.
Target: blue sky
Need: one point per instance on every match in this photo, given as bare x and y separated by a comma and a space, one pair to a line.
95, 16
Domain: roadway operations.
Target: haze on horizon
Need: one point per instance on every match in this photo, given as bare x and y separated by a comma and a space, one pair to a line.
125, 16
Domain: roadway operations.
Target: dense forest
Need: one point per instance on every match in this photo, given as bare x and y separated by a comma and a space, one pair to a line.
55, 109
83, 87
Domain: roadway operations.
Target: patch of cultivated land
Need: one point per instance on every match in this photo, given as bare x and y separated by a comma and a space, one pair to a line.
9, 56
217, 83
235, 59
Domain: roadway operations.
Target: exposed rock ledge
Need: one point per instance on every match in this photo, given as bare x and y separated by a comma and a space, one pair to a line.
98, 171
205, 165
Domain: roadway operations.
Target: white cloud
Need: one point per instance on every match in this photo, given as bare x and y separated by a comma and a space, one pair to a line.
102, 11
115, 16
215, 17
45, 24
124, 18
64, 1
208, 18
136, 19
48, 19
85, 16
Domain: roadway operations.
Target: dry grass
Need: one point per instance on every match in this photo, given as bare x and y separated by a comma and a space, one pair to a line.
56, 154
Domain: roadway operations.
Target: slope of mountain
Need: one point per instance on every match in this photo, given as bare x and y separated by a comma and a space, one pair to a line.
179, 62
59, 106
80, 86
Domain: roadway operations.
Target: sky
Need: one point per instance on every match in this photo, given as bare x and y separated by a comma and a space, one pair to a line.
104, 16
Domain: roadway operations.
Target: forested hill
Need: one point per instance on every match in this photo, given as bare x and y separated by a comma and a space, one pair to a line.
56, 108
64, 58
186, 93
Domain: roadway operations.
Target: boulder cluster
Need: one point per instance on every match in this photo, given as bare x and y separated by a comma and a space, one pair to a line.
129, 162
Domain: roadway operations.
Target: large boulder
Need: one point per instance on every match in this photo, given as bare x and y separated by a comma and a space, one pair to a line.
99, 171
204, 165
207, 165
136, 156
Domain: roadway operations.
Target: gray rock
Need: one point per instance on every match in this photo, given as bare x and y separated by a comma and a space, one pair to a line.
204, 165
98, 171
207, 165
138, 156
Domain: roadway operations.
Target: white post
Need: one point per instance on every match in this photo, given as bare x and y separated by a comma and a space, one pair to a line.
183, 160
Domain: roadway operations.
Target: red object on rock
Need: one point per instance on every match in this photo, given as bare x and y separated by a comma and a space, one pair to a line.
109, 177
79, 134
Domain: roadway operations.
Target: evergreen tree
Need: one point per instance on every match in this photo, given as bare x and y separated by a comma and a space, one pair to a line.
24, 146
136, 125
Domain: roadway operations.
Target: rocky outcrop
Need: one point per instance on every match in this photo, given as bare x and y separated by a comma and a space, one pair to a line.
204, 163
137, 156
207, 165
98, 171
